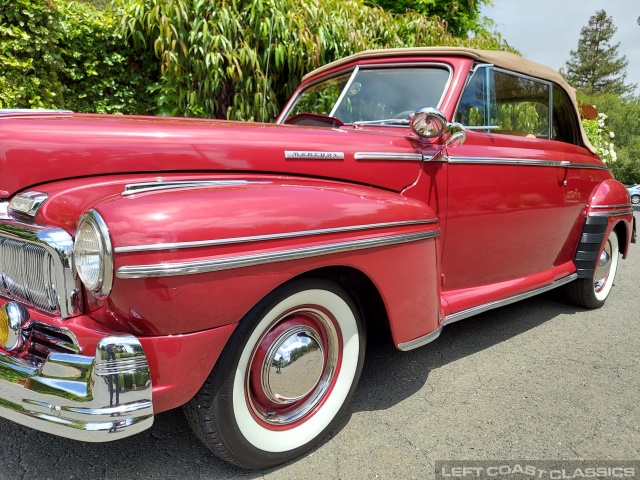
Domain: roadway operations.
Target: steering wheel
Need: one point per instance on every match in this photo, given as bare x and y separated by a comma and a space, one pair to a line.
404, 114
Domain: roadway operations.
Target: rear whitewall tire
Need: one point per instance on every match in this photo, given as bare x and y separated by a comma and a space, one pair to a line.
602, 286
593, 292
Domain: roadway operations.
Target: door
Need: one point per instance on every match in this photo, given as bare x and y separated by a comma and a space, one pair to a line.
507, 218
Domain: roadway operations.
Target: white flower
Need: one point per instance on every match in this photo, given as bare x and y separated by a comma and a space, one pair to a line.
612, 135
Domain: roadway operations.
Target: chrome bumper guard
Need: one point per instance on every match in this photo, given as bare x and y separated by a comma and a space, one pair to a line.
93, 399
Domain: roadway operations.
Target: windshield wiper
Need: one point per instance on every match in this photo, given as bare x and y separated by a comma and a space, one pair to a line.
386, 121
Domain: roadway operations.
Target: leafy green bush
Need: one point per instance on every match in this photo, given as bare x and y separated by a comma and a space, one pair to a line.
622, 117
68, 55
220, 58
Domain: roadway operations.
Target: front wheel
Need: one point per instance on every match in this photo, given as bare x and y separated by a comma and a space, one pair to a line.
635, 199
285, 376
592, 292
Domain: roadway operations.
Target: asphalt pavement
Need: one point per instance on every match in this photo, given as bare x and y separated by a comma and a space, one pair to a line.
539, 379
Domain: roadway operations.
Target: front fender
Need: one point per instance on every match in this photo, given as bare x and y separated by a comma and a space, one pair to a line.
195, 258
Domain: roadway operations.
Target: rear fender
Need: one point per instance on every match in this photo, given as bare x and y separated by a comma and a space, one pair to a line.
609, 209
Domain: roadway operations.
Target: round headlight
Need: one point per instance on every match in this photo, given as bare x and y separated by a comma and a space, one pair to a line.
93, 254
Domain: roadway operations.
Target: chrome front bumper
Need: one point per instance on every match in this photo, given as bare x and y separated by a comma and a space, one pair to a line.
93, 399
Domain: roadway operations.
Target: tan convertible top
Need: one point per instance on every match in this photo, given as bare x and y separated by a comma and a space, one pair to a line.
505, 60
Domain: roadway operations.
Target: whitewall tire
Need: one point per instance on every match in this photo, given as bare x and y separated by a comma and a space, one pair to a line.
285, 376
593, 292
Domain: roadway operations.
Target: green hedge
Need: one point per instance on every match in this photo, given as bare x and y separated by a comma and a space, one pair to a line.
205, 58
69, 55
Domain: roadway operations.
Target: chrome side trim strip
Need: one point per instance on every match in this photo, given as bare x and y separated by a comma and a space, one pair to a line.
262, 238
622, 205
420, 341
134, 188
214, 265
506, 161
524, 162
618, 213
385, 156
590, 166
455, 317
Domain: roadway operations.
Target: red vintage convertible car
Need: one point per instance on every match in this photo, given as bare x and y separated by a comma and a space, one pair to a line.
234, 268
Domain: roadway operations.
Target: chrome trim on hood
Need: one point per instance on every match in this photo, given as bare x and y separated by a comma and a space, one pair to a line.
133, 188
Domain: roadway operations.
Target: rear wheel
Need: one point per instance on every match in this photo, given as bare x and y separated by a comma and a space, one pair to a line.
592, 292
635, 199
285, 376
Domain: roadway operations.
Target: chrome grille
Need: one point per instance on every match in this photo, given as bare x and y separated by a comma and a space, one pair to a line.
27, 274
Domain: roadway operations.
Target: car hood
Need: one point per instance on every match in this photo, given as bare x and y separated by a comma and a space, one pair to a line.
39, 148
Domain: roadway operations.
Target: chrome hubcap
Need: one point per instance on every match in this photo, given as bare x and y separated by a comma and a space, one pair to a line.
293, 367
603, 268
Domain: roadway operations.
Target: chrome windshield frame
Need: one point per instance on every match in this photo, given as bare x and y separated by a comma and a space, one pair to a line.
354, 72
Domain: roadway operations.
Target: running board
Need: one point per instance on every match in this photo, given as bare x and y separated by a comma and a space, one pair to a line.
454, 317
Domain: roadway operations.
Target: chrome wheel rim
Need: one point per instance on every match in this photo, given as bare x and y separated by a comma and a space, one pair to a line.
603, 268
293, 367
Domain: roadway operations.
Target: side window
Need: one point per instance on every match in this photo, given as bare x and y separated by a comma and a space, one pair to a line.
522, 105
477, 104
564, 127
498, 101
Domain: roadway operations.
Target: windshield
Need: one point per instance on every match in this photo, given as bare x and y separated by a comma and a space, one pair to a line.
374, 95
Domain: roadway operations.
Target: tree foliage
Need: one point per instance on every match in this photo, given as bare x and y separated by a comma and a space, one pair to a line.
596, 66
623, 120
68, 55
232, 59
460, 16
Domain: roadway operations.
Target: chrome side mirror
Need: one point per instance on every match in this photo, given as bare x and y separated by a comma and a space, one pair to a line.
429, 122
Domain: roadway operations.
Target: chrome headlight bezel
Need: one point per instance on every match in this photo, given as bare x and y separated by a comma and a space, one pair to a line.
100, 283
